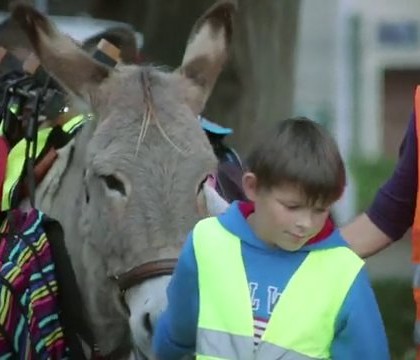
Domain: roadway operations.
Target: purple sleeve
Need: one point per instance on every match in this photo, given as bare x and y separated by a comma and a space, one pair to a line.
392, 210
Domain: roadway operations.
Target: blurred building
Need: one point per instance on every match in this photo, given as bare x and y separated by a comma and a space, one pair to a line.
389, 69
358, 65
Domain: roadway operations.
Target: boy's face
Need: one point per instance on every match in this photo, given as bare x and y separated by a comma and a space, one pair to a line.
282, 215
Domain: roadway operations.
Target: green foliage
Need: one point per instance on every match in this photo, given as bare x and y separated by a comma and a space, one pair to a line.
369, 175
395, 299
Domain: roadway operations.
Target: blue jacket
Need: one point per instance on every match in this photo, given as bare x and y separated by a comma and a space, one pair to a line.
360, 332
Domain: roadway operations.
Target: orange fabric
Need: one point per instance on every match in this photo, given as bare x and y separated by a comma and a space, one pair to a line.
416, 224
417, 302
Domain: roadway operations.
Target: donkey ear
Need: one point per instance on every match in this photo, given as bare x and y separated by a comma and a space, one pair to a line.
207, 52
59, 54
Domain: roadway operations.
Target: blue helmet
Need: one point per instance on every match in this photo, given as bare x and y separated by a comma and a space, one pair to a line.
214, 128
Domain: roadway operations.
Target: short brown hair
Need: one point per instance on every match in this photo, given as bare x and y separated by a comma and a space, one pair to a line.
300, 152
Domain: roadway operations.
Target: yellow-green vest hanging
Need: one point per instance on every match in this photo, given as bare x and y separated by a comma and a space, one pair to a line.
16, 158
295, 330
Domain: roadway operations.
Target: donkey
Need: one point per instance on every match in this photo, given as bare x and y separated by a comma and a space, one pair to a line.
130, 186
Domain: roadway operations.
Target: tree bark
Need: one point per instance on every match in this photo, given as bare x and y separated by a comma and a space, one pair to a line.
264, 58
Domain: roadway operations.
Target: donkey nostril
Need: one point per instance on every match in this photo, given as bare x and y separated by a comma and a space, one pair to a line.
147, 323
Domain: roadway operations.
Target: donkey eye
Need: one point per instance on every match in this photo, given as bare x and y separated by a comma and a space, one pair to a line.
113, 183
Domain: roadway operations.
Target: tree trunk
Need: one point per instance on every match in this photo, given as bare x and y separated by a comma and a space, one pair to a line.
264, 58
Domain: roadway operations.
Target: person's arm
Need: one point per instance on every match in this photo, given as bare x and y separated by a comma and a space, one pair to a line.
360, 332
364, 237
392, 211
175, 334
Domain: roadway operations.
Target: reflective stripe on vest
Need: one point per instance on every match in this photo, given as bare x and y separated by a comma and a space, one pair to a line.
416, 226
16, 158
225, 321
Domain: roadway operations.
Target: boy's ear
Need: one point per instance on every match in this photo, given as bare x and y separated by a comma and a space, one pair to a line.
249, 184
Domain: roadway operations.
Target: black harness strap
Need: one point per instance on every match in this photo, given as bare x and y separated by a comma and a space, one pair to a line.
69, 297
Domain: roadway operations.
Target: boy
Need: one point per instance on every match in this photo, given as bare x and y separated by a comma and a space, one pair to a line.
271, 279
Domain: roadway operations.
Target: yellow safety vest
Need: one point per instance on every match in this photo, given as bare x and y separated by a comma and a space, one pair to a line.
302, 324
16, 158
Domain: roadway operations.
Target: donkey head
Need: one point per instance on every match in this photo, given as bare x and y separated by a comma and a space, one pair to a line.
141, 168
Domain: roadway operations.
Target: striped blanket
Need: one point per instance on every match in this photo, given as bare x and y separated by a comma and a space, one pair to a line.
30, 324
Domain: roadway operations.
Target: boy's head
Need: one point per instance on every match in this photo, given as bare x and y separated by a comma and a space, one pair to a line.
294, 174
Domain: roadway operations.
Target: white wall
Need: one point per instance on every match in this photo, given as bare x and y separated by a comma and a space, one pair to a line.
317, 82
315, 58
322, 89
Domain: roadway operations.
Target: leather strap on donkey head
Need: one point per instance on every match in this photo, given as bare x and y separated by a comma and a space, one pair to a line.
144, 272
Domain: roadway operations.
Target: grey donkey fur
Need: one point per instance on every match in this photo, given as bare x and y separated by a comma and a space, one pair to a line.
125, 190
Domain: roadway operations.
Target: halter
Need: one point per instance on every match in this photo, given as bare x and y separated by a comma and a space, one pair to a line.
143, 272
